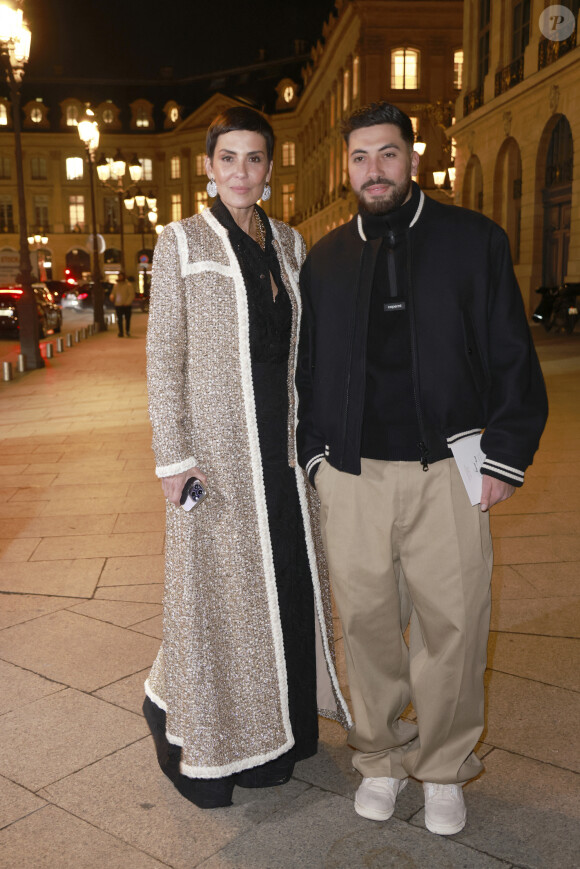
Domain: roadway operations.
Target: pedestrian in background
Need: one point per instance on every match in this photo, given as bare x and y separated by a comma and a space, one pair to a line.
122, 296
413, 337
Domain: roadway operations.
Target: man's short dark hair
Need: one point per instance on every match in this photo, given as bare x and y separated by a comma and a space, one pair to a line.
239, 118
379, 113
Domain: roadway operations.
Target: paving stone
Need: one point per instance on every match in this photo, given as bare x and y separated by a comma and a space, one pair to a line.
95, 545
518, 550
18, 608
17, 550
552, 616
95, 653
60, 734
76, 577
507, 582
15, 509
534, 525
145, 593
52, 838
58, 493
127, 796
121, 613
52, 526
133, 570
128, 693
152, 627
524, 811
127, 522
15, 803
322, 830
552, 580
20, 687
535, 720
553, 660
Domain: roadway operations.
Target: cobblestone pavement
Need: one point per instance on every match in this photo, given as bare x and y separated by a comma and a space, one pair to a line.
81, 541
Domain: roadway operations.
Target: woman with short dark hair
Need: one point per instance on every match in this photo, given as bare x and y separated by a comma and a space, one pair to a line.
231, 698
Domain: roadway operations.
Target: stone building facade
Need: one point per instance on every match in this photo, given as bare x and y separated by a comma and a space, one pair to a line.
518, 117
407, 52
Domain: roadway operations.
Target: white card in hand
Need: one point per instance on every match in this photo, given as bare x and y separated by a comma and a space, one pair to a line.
469, 457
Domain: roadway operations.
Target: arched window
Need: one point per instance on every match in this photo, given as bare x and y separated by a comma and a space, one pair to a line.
458, 69
108, 116
560, 155
36, 115
72, 116
405, 69
3, 115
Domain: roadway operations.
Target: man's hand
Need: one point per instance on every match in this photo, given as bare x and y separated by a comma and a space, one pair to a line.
493, 491
173, 486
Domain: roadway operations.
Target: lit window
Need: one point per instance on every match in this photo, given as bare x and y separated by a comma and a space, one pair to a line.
176, 206
40, 210
72, 116
331, 170
76, 212
458, 69
3, 115
108, 116
5, 168
355, 77
174, 114
201, 201
200, 164
287, 202
288, 154
6, 214
142, 118
404, 69
36, 115
175, 168
414, 123
147, 166
74, 168
38, 168
345, 90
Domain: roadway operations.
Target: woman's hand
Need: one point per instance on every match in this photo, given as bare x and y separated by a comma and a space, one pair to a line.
173, 486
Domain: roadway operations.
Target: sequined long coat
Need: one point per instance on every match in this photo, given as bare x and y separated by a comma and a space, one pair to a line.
220, 674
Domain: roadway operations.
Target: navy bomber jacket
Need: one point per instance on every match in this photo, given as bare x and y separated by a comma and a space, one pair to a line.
474, 365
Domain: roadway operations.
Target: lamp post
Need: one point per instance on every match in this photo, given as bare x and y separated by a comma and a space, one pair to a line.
14, 54
37, 243
112, 173
89, 134
143, 202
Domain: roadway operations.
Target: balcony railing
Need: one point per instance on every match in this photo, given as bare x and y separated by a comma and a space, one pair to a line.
473, 100
549, 50
8, 226
509, 76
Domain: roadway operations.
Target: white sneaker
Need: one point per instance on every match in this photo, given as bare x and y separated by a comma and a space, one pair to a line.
445, 811
375, 798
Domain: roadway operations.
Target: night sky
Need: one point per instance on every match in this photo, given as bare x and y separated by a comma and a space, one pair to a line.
135, 38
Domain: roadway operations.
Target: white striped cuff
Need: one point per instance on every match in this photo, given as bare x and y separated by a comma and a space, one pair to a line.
313, 461
505, 470
175, 468
463, 434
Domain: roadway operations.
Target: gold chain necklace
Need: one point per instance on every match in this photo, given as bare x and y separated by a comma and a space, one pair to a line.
260, 231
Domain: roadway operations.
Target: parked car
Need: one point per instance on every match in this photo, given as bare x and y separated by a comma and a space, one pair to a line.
49, 313
59, 290
85, 296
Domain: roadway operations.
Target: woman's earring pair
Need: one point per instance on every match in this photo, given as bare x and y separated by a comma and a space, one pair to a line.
212, 190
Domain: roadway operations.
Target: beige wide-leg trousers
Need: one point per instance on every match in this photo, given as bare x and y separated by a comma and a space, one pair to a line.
400, 543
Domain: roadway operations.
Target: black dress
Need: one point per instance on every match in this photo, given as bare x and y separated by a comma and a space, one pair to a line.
270, 327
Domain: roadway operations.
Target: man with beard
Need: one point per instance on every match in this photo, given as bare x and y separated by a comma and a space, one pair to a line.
413, 337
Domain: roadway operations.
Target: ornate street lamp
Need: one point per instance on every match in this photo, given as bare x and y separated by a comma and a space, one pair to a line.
14, 54
146, 205
112, 174
89, 134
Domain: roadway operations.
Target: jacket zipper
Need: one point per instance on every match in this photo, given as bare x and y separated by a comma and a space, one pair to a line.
349, 361
423, 448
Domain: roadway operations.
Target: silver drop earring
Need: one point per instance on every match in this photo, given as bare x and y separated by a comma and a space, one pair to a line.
267, 192
211, 188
